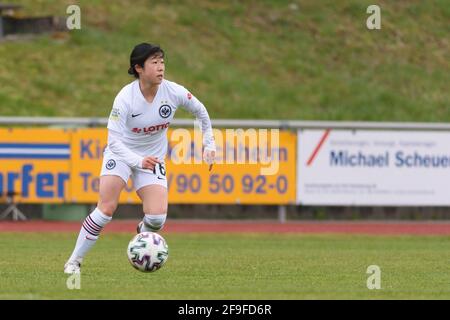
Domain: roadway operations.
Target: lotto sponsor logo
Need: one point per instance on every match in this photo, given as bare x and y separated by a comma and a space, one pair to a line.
151, 129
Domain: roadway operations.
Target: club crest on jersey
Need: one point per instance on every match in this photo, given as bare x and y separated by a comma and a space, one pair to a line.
111, 164
165, 111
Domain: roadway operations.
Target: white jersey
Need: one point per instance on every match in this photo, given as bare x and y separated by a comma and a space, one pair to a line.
142, 127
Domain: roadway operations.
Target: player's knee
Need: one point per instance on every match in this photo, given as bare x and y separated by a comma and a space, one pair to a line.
155, 222
107, 207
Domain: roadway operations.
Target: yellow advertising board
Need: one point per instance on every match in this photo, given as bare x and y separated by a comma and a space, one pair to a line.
34, 164
56, 165
232, 180
245, 173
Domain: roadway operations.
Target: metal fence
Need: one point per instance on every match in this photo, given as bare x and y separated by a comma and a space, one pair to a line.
237, 123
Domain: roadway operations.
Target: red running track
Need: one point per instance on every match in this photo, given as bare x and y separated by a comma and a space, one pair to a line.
214, 226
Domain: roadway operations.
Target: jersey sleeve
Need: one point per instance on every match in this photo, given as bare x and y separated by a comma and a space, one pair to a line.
118, 116
118, 148
116, 128
196, 108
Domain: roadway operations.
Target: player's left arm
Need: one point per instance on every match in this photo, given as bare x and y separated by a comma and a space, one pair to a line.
195, 107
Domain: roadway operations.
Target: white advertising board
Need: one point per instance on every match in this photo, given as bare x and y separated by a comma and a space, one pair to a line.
367, 167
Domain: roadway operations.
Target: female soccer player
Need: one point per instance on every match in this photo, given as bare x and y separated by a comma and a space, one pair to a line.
137, 146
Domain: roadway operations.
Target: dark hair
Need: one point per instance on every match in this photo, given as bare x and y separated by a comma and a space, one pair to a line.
142, 52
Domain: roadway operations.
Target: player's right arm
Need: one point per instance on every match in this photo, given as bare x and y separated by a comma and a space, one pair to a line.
116, 128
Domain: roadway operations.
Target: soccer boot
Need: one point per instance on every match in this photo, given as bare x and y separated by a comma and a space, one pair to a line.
72, 267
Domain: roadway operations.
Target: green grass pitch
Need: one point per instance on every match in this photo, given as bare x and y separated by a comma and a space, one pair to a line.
231, 266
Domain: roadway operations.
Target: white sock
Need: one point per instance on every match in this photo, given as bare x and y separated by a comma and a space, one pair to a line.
90, 230
153, 222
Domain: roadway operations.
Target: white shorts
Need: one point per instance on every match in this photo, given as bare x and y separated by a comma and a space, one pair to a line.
113, 166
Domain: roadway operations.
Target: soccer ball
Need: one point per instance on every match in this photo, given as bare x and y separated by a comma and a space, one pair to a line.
147, 251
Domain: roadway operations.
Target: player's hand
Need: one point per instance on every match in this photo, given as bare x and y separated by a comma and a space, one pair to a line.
209, 157
150, 162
